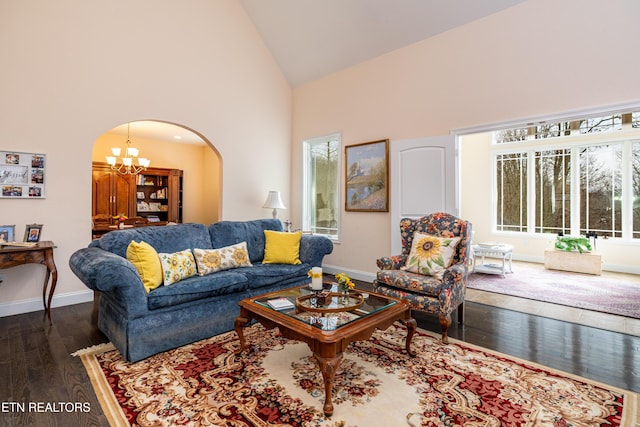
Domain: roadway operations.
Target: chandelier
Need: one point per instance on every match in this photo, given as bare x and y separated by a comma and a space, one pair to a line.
127, 167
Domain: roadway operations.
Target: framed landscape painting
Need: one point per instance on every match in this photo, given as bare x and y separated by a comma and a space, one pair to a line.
367, 177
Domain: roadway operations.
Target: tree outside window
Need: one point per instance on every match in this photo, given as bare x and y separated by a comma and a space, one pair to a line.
582, 184
635, 173
321, 209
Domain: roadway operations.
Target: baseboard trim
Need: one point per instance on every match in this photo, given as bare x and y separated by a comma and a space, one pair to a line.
35, 304
364, 276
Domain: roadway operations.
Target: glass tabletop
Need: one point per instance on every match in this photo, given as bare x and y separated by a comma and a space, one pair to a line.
333, 318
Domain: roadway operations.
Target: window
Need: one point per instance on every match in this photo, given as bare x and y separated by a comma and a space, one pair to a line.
635, 173
553, 191
601, 190
511, 170
321, 192
580, 172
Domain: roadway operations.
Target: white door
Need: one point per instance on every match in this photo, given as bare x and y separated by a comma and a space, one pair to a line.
423, 179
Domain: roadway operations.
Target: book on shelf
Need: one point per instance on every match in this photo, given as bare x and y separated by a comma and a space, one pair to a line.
280, 304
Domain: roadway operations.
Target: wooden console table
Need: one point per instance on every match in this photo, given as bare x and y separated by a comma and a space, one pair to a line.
40, 253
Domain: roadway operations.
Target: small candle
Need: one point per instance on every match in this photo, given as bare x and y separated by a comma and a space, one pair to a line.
316, 278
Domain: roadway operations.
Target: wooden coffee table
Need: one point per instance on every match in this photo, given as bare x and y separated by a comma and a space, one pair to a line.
326, 333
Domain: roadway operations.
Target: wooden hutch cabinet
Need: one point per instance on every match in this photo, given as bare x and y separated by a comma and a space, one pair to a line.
113, 194
155, 194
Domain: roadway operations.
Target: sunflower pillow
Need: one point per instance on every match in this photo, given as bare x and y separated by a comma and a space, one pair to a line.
430, 255
212, 260
177, 266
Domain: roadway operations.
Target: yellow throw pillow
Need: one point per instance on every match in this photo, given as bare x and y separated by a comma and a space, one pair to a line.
145, 259
212, 260
281, 247
430, 255
177, 266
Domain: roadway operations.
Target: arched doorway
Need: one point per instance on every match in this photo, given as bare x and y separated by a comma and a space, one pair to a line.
171, 148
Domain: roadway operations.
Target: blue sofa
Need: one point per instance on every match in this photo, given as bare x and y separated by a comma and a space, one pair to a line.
141, 324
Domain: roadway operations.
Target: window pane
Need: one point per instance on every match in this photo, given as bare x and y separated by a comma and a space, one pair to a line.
553, 191
635, 173
511, 174
510, 135
601, 124
601, 190
321, 192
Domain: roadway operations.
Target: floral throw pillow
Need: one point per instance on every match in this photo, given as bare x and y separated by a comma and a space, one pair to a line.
177, 266
430, 255
212, 260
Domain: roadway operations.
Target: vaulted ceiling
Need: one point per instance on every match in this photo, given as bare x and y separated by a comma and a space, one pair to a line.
313, 38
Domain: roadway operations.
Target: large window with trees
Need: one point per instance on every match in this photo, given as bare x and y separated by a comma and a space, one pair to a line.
570, 177
320, 189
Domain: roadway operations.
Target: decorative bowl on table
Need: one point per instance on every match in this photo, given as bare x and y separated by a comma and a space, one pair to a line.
331, 302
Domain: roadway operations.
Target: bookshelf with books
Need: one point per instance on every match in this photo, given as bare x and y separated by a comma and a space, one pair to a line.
159, 195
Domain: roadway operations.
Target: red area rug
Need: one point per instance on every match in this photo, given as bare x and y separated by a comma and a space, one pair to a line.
276, 382
598, 293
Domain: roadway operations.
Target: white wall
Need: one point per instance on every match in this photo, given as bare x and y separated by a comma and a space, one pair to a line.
536, 58
71, 70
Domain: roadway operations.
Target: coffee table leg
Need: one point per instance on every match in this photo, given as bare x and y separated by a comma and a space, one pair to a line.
241, 321
410, 323
328, 367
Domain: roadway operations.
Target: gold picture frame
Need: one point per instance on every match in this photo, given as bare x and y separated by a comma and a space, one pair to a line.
32, 233
367, 177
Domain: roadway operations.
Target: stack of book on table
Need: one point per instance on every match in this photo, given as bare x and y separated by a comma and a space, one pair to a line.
280, 304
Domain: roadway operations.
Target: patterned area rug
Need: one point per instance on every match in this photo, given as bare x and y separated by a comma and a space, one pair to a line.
275, 382
598, 293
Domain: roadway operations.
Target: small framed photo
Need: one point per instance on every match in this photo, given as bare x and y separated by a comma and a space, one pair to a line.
7, 233
32, 233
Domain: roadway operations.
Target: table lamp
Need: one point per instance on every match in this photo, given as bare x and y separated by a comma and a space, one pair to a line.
274, 201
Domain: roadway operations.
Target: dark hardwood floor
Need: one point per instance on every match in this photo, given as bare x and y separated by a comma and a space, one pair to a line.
37, 368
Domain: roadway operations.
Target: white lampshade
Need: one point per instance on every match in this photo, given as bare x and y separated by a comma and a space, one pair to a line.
274, 201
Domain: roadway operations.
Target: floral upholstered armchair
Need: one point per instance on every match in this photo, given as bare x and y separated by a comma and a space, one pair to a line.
431, 273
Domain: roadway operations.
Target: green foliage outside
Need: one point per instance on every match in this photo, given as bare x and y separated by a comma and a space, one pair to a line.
569, 243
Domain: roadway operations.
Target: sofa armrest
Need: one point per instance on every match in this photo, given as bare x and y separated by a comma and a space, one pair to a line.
113, 275
102, 270
393, 262
313, 248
